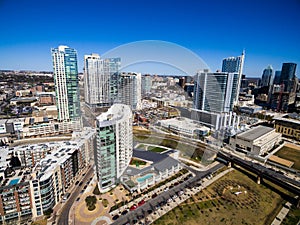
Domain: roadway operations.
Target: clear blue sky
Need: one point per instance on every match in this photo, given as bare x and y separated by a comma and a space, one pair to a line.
268, 30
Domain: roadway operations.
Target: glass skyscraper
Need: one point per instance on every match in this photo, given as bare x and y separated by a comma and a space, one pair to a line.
267, 76
287, 76
234, 65
66, 83
114, 145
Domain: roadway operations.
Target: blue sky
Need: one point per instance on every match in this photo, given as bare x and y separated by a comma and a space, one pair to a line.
268, 30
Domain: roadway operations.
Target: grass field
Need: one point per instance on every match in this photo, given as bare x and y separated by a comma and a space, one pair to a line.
290, 154
137, 162
258, 205
156, 149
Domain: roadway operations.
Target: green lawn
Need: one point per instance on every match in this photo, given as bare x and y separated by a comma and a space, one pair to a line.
156, 149
258, 206
290, 154
137, 162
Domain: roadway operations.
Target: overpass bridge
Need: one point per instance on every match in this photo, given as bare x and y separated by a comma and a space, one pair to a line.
262, 172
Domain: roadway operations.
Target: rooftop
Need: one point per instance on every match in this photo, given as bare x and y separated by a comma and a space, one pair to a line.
184, 123
114, 113
288, 120
255, 133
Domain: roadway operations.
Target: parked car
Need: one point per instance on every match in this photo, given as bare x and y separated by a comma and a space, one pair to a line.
133, 207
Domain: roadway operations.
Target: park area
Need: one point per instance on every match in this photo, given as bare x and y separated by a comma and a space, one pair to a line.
233, 199
291, 153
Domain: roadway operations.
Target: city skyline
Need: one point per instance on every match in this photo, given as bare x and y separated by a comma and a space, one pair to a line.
213, 31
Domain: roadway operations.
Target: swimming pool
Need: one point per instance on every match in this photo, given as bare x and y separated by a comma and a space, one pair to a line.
142, 179
14, 181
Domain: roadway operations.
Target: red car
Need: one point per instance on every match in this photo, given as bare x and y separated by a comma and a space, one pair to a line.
133, 207
141, 202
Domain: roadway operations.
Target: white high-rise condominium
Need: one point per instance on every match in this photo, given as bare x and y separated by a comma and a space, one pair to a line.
129, 89
66, 83
98, 84
114, 145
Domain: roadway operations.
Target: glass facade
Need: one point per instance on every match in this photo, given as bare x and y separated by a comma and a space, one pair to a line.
287, 76
66, 83
215, 92
106, 156
114, 145
232, 64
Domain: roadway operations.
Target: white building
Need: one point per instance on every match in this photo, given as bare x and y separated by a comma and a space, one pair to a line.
185, 127
97, 79
257, 140
114, 145
66, 83
216, 121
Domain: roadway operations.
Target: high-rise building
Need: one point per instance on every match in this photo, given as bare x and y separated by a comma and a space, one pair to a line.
215, 92
267, 76
114, 145
234, 65
146, 84
112, 66
288, 74
283, 93
99, 87
66, 83
129, 89
277, 77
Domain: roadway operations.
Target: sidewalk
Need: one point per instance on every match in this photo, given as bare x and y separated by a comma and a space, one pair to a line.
282, 214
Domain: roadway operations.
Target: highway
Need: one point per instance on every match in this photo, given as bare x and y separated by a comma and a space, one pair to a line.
64, 213
132, 216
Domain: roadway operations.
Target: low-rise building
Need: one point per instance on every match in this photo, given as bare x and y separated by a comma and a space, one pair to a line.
161, 167
257, 140
185, 127
288, 127
34, 178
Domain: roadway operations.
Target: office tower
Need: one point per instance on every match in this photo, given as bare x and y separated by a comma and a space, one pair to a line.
283, 93
66, 83
146, 84
287, 77
277, 77
234, 65
267, 76
98, 76
114, 145
215, 92
129, 89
